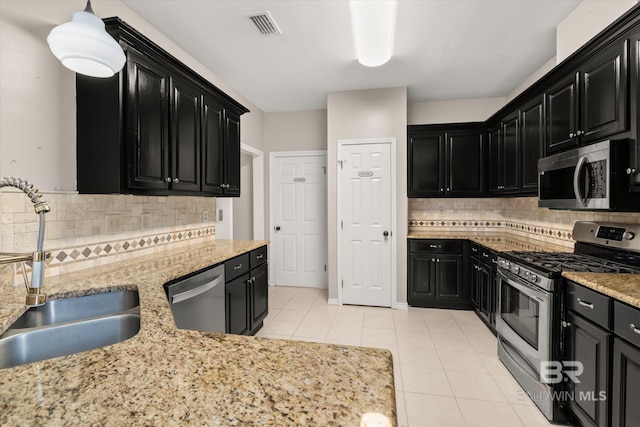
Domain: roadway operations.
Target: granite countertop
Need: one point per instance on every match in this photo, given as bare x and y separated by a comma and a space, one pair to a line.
168, 376
623, 287
497, 241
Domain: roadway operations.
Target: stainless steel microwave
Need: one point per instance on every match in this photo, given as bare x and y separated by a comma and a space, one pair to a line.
592, 177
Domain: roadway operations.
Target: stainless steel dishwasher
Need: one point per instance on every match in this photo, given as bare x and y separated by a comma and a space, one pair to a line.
197, 300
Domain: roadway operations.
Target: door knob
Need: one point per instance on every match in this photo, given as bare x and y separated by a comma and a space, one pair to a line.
277, 228
385, 234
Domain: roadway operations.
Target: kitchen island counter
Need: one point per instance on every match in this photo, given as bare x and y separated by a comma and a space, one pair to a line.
167, 376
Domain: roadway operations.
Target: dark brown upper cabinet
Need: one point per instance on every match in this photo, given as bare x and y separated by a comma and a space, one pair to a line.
155, 128
532, 139
590, 104
446, 161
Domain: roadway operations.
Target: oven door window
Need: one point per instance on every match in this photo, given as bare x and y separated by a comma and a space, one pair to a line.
521, 313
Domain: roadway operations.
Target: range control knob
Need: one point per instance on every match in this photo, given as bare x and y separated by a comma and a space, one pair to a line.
533, 278
516, 269
628, 235
507, 265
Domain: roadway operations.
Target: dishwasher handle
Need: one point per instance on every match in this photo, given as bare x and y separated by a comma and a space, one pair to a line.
192, 293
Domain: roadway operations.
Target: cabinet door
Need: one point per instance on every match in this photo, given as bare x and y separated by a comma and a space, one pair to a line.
495, 160
487, 298
634, 109
589, 345
147, 122
603, 102
625, 384
465, 168
426, 153
185, 135
232, 154
449, 277
237, 299
511, 153
476, 278
212, 145
532, 143
259, 295
421, 287
562, 115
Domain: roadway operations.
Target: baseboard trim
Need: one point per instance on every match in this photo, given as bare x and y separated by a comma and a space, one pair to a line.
402, 306
332, 301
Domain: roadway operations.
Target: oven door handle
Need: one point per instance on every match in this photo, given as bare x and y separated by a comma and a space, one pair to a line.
523, 286
576, 182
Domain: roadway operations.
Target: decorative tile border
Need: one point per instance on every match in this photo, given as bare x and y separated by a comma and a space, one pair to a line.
537, 230
104, 249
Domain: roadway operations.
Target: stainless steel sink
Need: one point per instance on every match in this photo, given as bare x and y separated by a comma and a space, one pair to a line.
69, 326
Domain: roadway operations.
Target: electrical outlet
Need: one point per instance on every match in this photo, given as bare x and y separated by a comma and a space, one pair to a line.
205, 215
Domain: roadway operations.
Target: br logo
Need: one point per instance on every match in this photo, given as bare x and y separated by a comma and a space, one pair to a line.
554, 372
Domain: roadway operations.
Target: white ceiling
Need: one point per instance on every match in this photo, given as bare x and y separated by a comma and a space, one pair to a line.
444, 49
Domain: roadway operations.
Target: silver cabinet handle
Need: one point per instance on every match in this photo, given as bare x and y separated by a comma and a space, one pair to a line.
168, 179
237, 267
580, 133
260, 256
474, 249
434, 246
176, 180
484, 254
565, 324
631, 171
586, 304
634, 328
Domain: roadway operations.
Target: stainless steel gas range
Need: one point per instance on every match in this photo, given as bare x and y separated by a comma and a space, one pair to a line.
531, 303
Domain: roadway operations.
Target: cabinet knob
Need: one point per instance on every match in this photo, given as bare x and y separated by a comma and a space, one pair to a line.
580, 133
168, 179
572, 135
631, 171
448, 189
565, 324
442, 190
385, 233
277, 228
438, 260
176, 180
433, 260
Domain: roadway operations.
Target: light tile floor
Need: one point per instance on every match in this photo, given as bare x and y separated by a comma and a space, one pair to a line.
446, 368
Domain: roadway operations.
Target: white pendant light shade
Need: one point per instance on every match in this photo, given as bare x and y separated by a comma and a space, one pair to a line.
84, 46
373, 24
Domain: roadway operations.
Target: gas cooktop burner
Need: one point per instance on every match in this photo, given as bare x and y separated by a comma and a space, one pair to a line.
554, 262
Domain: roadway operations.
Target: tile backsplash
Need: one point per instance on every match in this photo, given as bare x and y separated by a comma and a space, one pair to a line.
87, 230
518, 215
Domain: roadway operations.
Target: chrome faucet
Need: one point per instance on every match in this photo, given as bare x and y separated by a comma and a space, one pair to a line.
34, 295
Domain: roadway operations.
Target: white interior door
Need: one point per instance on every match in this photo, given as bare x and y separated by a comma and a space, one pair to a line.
298, 217
366, 250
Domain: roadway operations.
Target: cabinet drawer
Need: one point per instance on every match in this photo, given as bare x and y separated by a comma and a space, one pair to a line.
626, 322
590, 304
236, 267
258, 256
439, 246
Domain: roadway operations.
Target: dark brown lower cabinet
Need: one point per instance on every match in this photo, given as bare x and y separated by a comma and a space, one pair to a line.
589, 345
247, 292
625, 384
436, 278
236, 298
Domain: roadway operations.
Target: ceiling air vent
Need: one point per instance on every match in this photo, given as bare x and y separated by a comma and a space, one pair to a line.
264, 23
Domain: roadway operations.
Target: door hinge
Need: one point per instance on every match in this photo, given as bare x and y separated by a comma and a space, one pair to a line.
343, 284
341, 225
325, 267
324, 169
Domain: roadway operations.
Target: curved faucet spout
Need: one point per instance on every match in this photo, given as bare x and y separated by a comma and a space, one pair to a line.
38, 259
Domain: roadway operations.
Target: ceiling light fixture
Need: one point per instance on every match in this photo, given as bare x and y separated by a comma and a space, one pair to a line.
84, 46
373, 25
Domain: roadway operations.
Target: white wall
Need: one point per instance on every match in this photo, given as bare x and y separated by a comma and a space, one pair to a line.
453, 111
37, 94
363, 114
537, 75
243, 205
587, 20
